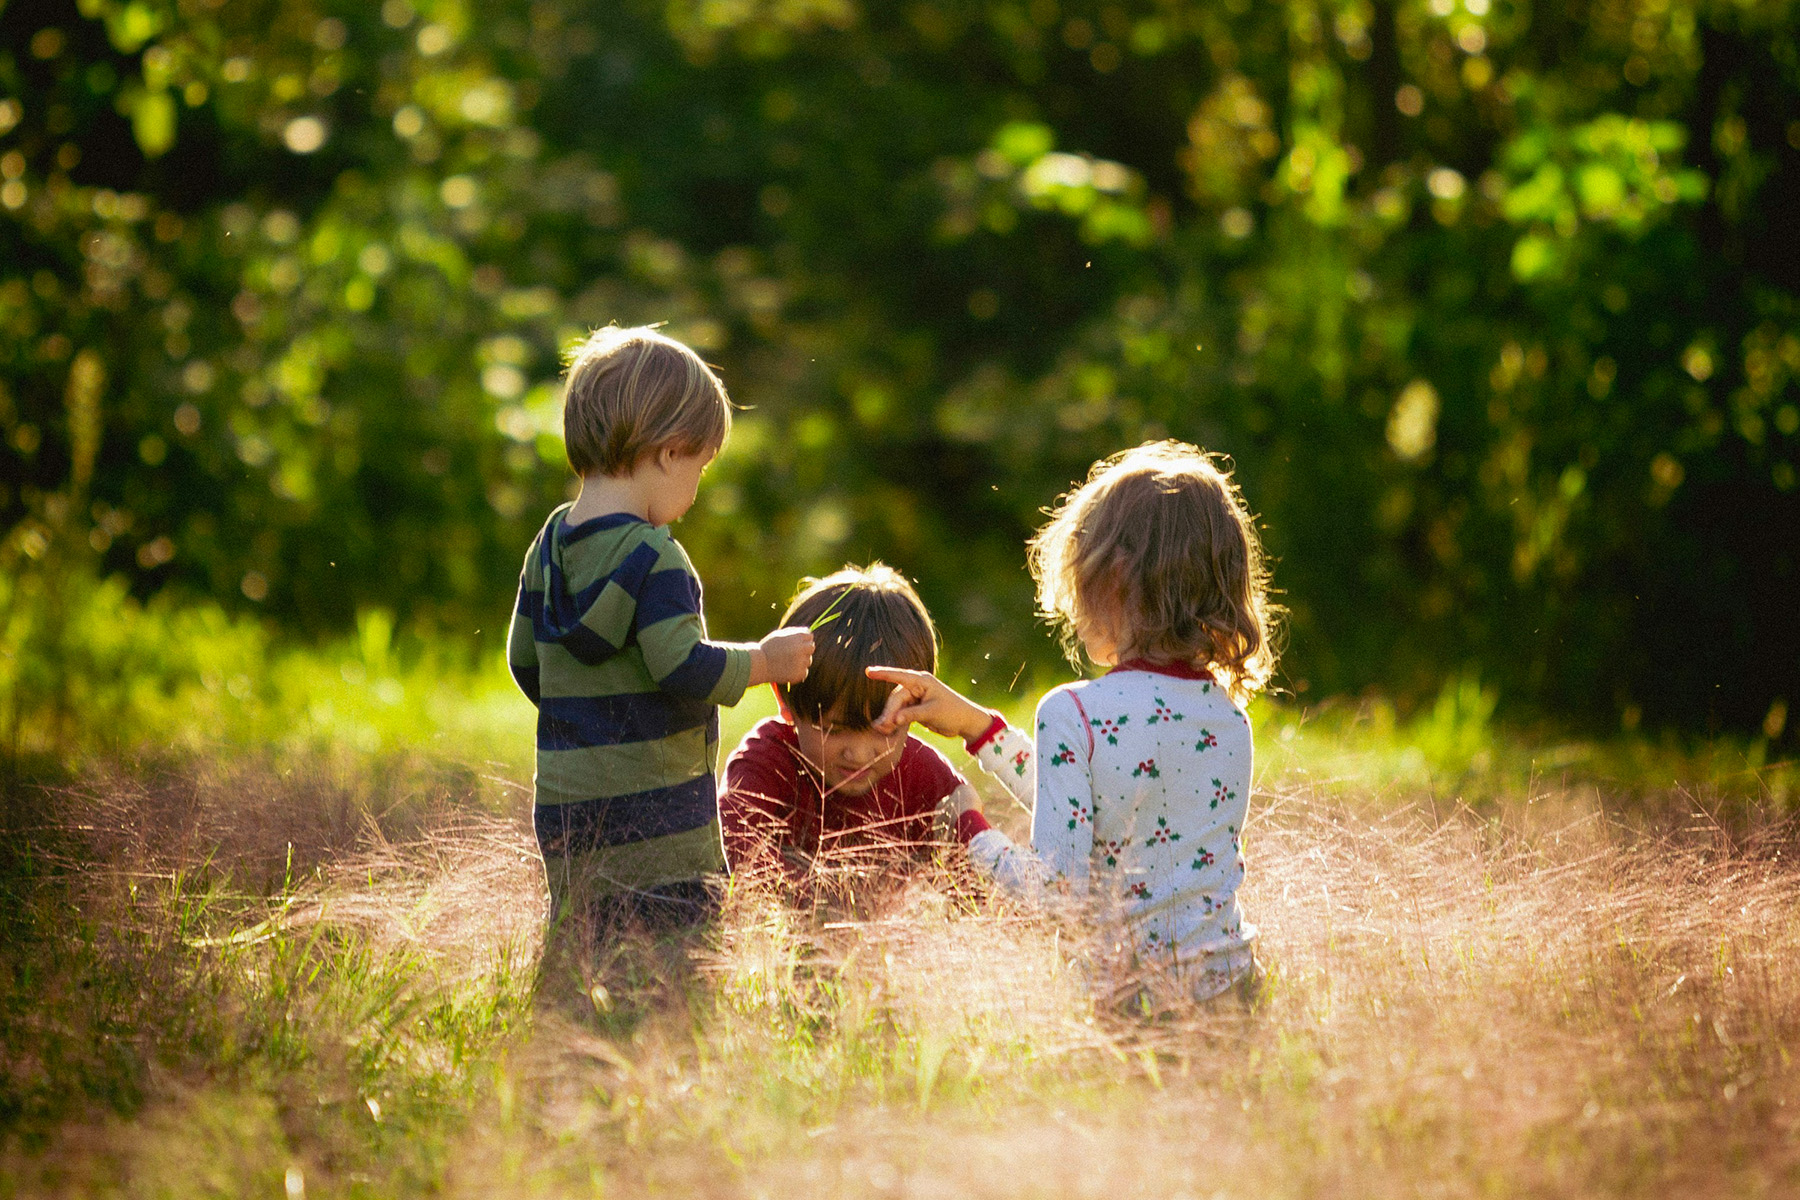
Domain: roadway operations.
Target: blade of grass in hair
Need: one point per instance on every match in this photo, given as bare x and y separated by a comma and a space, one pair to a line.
830, 614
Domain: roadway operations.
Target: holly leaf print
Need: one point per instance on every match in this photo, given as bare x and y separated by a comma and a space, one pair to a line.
1019, 761
1110, 726
1078, 815
1162, 835
1202, 860
1207, 741
1147, 767
1163, 712
1063, 756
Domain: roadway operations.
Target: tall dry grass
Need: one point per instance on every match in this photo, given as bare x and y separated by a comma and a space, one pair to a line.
1547, 1002
1540, 998
216, 974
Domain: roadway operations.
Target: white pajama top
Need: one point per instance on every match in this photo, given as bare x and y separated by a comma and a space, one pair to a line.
1138, 784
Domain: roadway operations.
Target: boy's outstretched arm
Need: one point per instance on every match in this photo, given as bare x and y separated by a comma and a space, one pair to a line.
681, 659
784, 656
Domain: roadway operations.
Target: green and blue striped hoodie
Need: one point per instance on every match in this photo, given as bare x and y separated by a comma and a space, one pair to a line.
609, 643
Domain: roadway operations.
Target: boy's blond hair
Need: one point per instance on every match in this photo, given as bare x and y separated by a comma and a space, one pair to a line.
1158, 548
631, 391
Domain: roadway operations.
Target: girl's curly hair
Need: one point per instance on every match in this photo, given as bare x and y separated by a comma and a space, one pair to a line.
1158, 549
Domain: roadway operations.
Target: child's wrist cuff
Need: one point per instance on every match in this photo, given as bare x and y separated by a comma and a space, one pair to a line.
995, 728
970, 822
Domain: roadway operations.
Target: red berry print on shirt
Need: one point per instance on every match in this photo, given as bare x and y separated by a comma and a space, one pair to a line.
1114, 849
1202, 860
1163, 713
1063, 756
1162, 835
1109, 726
1221, 792
1019, 760
1207, 741
1138, 891
1147, 767
1078, 815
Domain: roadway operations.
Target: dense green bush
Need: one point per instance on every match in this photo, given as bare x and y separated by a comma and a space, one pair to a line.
1488, 298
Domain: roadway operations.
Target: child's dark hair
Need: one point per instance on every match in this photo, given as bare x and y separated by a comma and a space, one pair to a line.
860, 617
1158, 547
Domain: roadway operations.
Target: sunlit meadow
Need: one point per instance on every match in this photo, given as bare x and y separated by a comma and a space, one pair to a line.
306, 960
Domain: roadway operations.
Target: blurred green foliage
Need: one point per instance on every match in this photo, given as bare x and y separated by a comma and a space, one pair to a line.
1489, 299
97, 675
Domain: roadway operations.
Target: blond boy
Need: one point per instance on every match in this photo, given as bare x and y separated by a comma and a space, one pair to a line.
609, 642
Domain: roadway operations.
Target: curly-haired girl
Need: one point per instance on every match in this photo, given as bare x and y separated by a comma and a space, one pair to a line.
1138, 781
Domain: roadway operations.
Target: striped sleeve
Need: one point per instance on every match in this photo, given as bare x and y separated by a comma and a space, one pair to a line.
672, 635
521, 637
522, 659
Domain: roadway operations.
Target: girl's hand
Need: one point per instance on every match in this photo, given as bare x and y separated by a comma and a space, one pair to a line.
923, 697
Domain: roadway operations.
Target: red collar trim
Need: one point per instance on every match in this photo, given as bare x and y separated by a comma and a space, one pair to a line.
1178, 670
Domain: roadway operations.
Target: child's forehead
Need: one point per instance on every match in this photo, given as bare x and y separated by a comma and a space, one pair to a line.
839, 719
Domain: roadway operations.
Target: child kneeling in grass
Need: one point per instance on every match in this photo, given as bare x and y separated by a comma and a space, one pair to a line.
1139, 780
608, 641
816, 793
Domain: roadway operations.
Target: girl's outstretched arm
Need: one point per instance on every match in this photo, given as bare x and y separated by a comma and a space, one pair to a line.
922, 697
1004, 752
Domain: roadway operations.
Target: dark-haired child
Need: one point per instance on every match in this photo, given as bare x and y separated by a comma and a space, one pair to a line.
817, 789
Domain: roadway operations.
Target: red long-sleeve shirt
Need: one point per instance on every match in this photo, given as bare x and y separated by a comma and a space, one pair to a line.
775, 813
